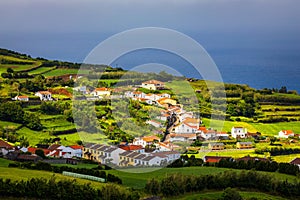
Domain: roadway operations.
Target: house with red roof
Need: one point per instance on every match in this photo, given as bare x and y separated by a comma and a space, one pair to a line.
21, 98
214, 159
286, 134
5, 148
101, 92
153, 85
296, 161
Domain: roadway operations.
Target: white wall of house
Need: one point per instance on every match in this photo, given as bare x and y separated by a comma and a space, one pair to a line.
184, 128
238, 132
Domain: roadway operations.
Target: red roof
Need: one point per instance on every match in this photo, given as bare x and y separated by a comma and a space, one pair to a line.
76, 147
53, 147
44, 92
4, 144
214, 159
131, 147
296, 161
287, 132
22, 97
153, 82
33, 149
101, 89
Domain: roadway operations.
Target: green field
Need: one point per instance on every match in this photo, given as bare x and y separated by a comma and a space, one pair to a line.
60, 72
11, 125
138, 180
207, 195
41, 70
266, 129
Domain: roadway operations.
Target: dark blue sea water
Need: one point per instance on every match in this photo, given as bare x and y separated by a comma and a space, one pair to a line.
261, 62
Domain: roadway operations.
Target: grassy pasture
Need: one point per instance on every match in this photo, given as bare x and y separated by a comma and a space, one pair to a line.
41, 70
60, 72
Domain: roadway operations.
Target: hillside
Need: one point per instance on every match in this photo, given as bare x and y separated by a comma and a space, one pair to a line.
266, 111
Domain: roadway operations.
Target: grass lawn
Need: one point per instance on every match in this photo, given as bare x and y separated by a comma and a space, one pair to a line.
80, 165
139, 180
34, 137
265, 129
25, 174
60, 72
218, 194
6, 124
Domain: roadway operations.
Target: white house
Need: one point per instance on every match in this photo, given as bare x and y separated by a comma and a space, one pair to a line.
171, 155
111, 155
153, 85
286, 134
238, 132
21, 98
208, 134
77, 150
5, 148
44, 95
81, 89
101, 92
185, 128
146, 140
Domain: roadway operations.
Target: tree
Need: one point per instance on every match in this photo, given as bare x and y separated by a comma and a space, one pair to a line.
32, 121
40, 153
10, 70
231, 194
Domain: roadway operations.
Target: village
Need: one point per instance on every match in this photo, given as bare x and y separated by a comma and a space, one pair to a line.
157, 150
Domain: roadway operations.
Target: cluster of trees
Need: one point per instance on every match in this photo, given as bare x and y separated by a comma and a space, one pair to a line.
15, 54
245, 107
185, 161
59, 169
54, 108
268, 166
178, 184
10, 73
12, 111
278, 151
41, 188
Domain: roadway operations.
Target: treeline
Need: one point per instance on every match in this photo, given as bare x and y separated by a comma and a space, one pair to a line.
64, 189
178, 184
15, 54
59, 169
278, 151
285, 168
186, 161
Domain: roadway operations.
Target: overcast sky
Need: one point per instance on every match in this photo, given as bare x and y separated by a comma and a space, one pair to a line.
27, 25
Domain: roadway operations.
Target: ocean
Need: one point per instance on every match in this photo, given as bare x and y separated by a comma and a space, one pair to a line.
259, 63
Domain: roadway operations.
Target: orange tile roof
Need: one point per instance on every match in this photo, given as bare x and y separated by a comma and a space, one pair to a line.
150, 138
191, 120
101, 89
4, 144
44, 92
153, 82
186, 135
214, 159
131, 147
287, 132
23, 97
76, 147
